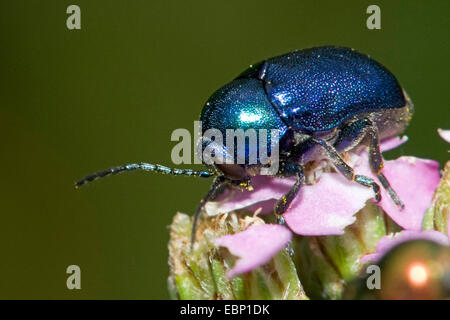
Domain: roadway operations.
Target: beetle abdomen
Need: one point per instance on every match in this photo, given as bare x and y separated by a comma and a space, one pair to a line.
317, 89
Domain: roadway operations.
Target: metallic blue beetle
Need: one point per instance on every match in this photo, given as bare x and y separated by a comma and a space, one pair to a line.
323, 101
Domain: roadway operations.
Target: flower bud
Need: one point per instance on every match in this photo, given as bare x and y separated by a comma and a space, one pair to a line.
438, 214
201, 273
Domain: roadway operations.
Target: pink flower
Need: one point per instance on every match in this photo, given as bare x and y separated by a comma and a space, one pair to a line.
414, 180
327, 206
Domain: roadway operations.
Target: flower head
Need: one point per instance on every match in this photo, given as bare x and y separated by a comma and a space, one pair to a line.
335, 227
328, 204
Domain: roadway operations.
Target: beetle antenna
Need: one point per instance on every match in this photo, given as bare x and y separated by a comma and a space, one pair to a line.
146, 167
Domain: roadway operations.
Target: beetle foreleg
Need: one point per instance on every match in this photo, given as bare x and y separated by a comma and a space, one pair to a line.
217, 186
285, 201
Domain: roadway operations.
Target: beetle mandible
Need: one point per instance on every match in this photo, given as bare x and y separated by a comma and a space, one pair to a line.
323, 101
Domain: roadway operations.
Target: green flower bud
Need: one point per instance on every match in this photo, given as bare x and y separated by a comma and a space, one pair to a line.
438, 214
201, 273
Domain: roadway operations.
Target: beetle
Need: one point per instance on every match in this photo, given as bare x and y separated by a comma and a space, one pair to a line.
324, 101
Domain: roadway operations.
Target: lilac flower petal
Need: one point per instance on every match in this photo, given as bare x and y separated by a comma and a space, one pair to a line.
388, 242
392, 143
254, 246
326, 207
415, 181
445, 134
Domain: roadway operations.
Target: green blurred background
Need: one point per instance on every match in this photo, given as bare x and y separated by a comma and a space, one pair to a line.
73, 102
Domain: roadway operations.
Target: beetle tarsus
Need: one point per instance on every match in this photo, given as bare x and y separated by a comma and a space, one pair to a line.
390, 191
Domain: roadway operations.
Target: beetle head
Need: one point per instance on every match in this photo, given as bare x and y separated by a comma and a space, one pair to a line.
238, 129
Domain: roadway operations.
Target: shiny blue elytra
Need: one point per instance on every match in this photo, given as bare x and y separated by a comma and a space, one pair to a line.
311, 90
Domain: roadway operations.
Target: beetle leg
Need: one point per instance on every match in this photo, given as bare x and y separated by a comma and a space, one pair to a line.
356, 131
345, 169
285, 201
217, 186
352, 134
376, 164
